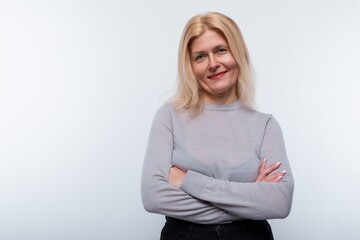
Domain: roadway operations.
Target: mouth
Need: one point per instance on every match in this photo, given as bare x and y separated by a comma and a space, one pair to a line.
217, 75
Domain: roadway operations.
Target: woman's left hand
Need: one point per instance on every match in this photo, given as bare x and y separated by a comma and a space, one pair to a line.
176, 176
269, 174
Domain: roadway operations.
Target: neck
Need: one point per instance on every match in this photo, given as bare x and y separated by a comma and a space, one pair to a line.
220, 99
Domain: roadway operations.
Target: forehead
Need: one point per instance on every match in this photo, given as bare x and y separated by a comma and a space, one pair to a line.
206, 41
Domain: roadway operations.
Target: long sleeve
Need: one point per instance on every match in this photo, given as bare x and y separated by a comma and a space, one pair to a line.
249, 200
158, 195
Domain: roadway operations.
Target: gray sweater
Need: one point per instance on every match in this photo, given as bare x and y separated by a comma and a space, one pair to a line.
221, 150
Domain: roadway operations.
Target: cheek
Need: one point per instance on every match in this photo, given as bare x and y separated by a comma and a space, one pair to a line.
235, 68
231, 62
236, 71
199, 71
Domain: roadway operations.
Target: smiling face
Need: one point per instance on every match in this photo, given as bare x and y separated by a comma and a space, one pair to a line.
214, 67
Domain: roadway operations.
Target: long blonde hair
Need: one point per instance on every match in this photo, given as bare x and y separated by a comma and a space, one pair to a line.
188, 93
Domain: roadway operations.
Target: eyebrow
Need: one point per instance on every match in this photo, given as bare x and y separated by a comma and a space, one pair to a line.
198, 53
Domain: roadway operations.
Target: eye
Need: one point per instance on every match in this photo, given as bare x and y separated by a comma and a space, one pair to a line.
222, 50
199, 58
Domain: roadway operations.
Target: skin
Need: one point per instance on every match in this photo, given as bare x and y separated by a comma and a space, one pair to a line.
216, 70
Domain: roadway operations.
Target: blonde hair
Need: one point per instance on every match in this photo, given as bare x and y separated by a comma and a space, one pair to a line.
188, 93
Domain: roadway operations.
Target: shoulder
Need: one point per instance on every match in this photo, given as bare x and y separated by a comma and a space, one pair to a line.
164, 112
254, 115
165, 107
162, 118
270, 123
258, 119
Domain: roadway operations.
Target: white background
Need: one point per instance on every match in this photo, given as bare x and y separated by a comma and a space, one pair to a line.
80, 82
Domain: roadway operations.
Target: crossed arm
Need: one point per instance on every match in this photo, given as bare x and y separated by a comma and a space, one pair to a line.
265, 174
191, 196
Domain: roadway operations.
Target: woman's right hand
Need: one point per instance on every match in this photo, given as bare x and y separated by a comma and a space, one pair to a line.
266, 174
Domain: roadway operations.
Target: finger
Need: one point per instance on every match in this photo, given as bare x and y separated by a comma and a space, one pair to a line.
275, 166
272, 168
262, 168
276, 177
262, 165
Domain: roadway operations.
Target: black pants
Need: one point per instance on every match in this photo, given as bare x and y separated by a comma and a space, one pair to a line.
176, 229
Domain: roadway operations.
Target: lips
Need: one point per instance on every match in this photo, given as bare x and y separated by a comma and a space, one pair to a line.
217, 75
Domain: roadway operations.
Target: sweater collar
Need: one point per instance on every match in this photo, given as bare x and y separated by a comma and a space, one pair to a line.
222, 107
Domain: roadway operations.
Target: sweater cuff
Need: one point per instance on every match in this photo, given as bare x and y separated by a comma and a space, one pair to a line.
194, 183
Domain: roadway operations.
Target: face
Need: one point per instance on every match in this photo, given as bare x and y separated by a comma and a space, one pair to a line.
214, 67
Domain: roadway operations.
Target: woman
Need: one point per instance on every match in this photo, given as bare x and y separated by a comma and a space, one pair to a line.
216, 168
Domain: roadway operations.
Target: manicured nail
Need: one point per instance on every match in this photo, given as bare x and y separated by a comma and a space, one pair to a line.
280, 177
283, 172
278, 163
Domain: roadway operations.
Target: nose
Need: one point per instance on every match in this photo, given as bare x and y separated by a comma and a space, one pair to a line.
213, 63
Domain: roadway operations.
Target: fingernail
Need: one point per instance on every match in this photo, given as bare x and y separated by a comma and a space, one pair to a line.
278, 163
280, 177
264, 160
283, 172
